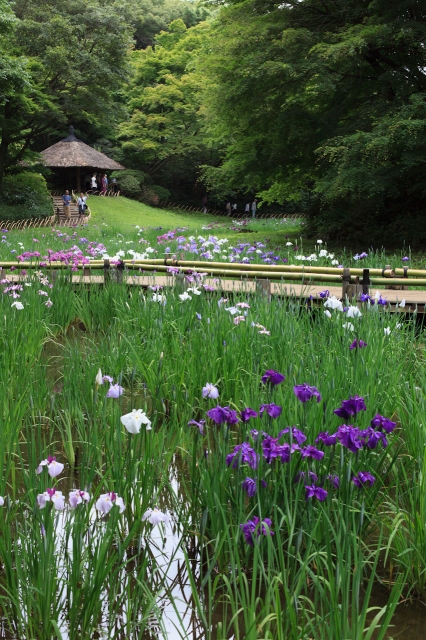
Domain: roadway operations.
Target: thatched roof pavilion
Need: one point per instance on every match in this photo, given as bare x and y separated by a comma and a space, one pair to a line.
73, 153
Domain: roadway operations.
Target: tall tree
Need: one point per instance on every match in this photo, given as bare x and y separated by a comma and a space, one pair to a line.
164, 131
73, 56
287, 83
156, 15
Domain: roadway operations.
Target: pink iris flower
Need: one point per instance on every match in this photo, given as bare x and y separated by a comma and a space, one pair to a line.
54, 468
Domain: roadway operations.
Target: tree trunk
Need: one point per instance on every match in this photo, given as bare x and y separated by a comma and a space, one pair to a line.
4, 145
5, 140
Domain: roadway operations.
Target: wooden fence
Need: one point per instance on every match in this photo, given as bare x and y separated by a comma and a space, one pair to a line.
308, 282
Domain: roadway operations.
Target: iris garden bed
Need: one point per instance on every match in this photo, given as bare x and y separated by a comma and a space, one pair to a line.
269, 483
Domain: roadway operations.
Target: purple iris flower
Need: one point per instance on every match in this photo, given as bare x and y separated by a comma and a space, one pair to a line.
223, 414
382, 301
335, 481
372, 438
350, 437
328, 440
115, 391
254, 434
250, 486
272, 377
200, 425
244, 454
363, 255
273, 410
297, 435
364, 297
405, 259
350, 407
312, 477
380, 423
311, 452
324, 294
316, 492
304, 392
272, 449
255, 526
248, 413
358, 344
362, 478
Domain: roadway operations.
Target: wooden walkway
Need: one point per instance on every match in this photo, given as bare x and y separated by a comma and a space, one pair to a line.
414, 300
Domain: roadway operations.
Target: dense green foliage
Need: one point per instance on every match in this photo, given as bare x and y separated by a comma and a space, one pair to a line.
24, 195
164, 134
71, 57
156, 15
326, 92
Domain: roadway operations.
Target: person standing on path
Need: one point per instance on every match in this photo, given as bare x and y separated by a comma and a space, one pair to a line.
228, 208
94, 184
81, 206
247, 209
104, 184
253, 208
66, 199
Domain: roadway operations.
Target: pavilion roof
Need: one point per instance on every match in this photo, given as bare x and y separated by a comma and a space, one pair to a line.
72, 152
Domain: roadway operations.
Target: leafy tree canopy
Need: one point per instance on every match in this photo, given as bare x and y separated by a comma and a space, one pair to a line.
296, 91
71, 59
164, 128
156, 15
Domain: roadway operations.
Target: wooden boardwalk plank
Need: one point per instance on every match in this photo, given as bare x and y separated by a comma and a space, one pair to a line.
412, 298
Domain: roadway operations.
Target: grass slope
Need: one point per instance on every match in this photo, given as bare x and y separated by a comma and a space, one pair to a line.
125, 213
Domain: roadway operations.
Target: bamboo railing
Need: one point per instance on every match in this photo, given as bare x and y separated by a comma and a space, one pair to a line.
292, 273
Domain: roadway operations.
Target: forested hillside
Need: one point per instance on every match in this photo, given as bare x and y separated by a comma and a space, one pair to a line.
312, 105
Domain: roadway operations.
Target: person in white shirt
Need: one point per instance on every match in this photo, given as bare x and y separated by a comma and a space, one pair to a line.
94, 184
81, 205
247, 209
253, 208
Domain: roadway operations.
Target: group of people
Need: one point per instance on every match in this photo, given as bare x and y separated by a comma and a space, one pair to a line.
81, 203
231, 209
99, 182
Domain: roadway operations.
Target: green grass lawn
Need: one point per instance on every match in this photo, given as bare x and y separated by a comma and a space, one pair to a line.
125, 213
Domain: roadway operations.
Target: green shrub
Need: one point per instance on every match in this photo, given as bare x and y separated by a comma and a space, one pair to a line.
154, 194
130, 182
162, 192
24, 195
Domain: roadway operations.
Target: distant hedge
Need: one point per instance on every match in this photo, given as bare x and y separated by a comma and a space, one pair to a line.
24, 195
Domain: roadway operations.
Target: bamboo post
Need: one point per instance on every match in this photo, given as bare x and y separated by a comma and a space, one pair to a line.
346, 278
120, 272
365, 281
387, 268
107, 271
403, 288
263, 286
350, 286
